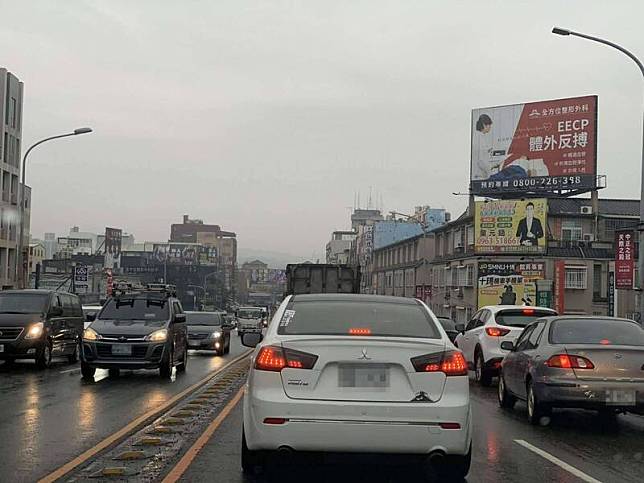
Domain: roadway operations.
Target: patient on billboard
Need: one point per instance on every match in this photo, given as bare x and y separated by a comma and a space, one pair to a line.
529, 230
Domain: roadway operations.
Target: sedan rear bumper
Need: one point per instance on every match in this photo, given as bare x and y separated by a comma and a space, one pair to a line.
592, 394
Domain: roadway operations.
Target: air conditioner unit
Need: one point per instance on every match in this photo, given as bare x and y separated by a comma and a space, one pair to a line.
588, 237
586, 210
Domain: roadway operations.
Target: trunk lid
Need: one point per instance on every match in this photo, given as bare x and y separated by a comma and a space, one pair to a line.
612, 363
362, 369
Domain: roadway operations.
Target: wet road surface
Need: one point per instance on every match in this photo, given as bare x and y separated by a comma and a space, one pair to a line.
49, 417
500, 451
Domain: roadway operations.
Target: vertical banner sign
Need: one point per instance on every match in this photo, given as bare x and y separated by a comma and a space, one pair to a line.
81, 279
113, 242
110, 282
624, 266
611, 293
560, 286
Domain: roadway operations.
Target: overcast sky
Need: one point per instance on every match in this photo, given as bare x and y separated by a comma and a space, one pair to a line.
266, 117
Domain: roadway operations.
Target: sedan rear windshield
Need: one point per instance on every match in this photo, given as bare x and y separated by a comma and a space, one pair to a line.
596, 331
520, 317
136, 309
203, 319
357, 318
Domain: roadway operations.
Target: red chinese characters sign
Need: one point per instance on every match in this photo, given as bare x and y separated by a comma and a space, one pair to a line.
624, 261
560, 286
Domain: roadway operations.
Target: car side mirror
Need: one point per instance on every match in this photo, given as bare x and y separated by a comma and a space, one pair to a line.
460, 327
251, 339
179, 318
55, 311
507, 345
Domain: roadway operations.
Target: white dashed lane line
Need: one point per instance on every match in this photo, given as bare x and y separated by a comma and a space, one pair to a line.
553, 459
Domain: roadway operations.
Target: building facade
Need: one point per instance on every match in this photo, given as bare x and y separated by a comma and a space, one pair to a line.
36, 256
338, 249
11, 96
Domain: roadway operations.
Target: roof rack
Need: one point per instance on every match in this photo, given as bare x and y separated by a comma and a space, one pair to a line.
124, 288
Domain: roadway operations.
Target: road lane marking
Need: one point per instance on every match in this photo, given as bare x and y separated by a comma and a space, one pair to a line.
136, 423
183, 464
553, 459
77, 369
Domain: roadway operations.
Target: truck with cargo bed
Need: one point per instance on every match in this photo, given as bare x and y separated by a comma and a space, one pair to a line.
307, 278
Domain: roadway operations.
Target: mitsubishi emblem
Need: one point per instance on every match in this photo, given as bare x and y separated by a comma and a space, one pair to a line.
618, 356
364, 356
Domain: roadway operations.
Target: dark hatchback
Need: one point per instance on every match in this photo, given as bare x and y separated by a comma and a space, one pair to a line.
144, 330
208, 331
39, 325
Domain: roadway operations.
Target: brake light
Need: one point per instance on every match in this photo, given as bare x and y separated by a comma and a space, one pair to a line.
496, 331
274, 358
275, 420
565, 361
451, 363
450, 425
604, 342
360, 331
528, 311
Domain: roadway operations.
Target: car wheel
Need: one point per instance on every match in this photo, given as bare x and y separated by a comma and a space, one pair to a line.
43, 359
536, 409
184, 362
165, 370
452, 468
481, 375
252, 462
114, 372
506, 400
87, 371
73, 357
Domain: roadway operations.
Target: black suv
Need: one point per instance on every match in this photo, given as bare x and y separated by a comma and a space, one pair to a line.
40, 325
137, 329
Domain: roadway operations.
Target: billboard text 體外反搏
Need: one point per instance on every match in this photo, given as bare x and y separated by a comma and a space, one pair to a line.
511, 226
536, 147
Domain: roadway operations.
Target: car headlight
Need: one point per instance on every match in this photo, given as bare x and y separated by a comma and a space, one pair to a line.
91, 334
158, 336
216, 335
35, 331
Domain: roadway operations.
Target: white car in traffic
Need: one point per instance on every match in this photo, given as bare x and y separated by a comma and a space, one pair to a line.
481, 339
357, 374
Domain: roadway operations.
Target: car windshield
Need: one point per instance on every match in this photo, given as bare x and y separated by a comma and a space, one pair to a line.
448, 324
148, 309
203, 318
596, 331
23, 303
357, 318
520, 317
249, 314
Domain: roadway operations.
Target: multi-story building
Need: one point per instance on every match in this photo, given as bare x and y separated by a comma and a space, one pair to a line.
51, 245
338, 249
260, 285
36, 255
11, 91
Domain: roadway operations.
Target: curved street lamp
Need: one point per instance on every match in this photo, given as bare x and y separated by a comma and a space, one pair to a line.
19, 269
566, 32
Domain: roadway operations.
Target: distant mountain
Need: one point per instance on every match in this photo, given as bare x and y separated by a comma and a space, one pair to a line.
273, 259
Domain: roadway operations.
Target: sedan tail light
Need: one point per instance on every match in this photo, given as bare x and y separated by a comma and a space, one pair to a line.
496, 331
451, 363
275, 358
565, 361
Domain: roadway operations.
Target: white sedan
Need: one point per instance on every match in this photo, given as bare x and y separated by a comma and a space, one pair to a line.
357, 374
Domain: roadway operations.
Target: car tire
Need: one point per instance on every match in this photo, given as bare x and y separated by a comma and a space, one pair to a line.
228, 346
114, 372
506, 400
43, 358
167, 362
481, 375
87, 371
536, 409
73, 357
252, 462
452, 468
184, 362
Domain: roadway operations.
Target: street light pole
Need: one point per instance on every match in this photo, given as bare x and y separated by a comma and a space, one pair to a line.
19, 259
640, 264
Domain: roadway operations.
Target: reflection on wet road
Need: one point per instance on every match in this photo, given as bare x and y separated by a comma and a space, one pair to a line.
51, 416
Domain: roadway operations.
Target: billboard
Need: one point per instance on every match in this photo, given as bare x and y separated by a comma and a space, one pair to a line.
511, 283
535, 147
113, 240
624, 261
511, 226
560, 286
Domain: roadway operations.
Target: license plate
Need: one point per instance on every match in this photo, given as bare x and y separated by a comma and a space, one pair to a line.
363, 375
627, 397
1, 347
122, 350
193, 343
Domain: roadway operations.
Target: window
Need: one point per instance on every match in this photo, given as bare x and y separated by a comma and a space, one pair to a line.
522, 343
597, 332
177, 308
576, 277
410, 281
14, 112
454, 279
470, 235
597, 281
457, 238
535, 337
571, 230
469, 280
68, 309
462, 276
